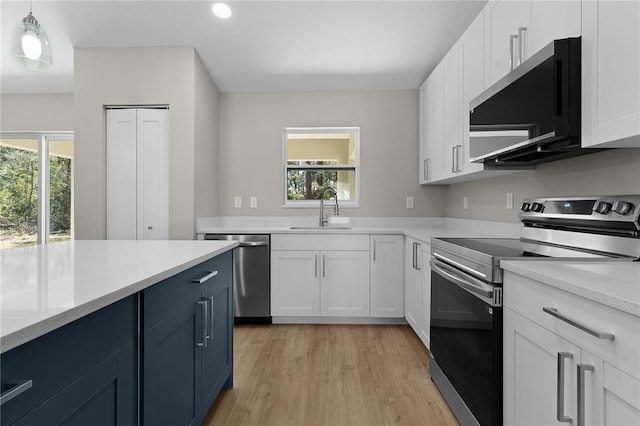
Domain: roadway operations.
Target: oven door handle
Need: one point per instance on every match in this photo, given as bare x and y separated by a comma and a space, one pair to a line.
468, 283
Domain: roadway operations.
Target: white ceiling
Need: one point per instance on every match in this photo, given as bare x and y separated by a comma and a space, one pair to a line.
265, 46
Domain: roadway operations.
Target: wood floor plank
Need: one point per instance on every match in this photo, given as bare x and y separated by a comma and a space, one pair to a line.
326, 375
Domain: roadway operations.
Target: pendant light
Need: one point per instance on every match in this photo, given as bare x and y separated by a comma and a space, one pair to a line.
30, 45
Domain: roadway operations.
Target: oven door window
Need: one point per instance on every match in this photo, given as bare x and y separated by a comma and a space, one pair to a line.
466, 344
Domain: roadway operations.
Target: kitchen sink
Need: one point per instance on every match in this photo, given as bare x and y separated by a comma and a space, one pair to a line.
319, 228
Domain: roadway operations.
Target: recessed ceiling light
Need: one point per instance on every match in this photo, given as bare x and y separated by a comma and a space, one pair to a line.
221, 10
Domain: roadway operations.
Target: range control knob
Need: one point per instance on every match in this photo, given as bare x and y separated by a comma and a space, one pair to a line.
525, 207
537, 207
623, 207
602, 207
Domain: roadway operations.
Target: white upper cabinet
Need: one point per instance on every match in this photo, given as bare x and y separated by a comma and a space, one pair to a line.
515, 30
504, 26
431, 146
472, 70
610, 74
452, 112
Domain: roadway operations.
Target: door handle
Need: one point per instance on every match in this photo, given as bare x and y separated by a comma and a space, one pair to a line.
453, 159
324, 265
315, 264
375, 244
521, 31
512, 39
205, 315
210, 336
560, 388
582, 369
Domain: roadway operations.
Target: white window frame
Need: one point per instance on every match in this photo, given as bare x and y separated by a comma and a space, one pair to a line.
355, 203
43, 139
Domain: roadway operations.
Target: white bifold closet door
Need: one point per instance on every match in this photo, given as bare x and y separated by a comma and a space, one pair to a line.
137, 174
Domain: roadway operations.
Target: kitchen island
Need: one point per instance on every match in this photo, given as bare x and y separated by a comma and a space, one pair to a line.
91, 328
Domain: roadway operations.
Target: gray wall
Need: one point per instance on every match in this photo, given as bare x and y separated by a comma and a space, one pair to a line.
613, 172
138, 76
50, 112
251, 150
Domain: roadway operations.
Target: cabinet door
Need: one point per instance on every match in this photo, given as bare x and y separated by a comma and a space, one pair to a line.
387, 276
620, 398
472, 69
412, 286
295, 283
433, 155
425, 282
530, 373
217, 356
172, 368
610, 70
345, 283
451, 111
502, 20
105, 395
551, 20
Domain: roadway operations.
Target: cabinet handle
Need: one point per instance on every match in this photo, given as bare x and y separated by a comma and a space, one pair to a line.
316, 267
427, 169
413, 255
512, 38
375, 244
416, 266
521, 31
206, 277
599, 334
324, 265
582, 368
17, 387
453, 159
205, 321
210, 336
458, 149
560, 388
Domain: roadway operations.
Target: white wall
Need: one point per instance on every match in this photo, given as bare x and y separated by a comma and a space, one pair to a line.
125, 76
207, 143
613, 172
41, 113
251, 150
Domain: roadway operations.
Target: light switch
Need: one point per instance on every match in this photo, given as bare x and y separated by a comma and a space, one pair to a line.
509, 200
237, 202
253, 202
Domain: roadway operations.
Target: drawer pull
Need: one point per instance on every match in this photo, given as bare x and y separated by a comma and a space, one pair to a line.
582, 368
205, 322
206, 277
17, 387
599, 334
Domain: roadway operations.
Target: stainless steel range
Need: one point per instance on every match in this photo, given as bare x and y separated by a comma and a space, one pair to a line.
467, 288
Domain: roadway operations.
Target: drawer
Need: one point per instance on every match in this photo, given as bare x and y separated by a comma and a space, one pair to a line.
162, 299
320, 242
528, 297
58, 358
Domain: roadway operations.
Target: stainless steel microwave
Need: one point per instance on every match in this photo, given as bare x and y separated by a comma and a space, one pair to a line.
532, 115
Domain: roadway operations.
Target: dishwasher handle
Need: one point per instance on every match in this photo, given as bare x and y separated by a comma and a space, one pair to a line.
253, 244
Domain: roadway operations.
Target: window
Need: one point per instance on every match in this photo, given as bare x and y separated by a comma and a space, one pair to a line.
317, 158
36, 188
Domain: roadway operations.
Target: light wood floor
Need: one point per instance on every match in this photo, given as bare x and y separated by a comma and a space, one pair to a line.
329, 375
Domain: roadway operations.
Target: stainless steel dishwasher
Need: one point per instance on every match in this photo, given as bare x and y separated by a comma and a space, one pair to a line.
251, 292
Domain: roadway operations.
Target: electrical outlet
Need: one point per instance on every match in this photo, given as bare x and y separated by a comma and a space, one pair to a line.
253, 202
509, 200
465, 202
409, 202
237, 202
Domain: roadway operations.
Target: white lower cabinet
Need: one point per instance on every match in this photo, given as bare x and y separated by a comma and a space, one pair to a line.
417, 284
551, 375
320, 275
387, 276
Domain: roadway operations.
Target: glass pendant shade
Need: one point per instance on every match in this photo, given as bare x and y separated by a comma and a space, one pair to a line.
30, 45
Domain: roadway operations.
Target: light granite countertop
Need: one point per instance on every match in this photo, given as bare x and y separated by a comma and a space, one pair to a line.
614, 284
44, 287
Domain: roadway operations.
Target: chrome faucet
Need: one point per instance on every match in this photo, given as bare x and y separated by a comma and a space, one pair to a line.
323, 218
